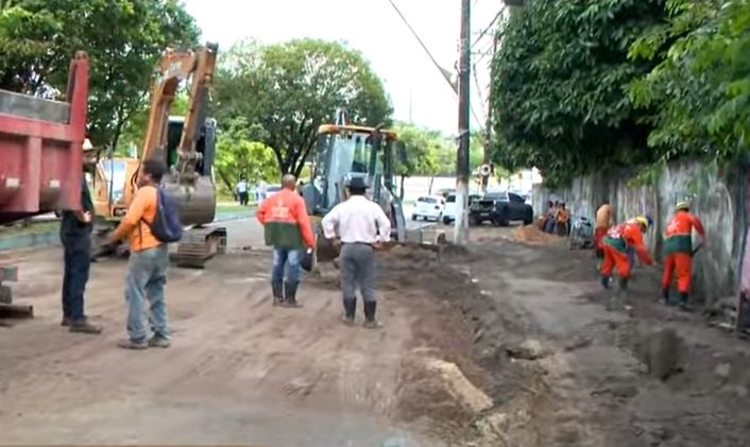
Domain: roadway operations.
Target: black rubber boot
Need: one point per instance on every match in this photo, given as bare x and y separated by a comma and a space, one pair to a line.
370, 321
290, 294
623, 283
605, 281
350, 310
684, 302
665, 295
278, 294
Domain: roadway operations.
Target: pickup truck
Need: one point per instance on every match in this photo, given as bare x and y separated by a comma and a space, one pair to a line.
500, 208
41, 147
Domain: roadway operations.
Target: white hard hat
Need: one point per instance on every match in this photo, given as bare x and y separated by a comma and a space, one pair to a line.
87, 146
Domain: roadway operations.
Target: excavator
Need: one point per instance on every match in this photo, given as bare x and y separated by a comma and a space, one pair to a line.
187, 144
343, 151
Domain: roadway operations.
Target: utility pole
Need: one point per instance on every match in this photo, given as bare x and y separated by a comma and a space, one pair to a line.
488, 126
464, 113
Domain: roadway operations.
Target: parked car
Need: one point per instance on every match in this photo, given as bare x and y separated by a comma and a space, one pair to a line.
500, 208
449, 213
429, 208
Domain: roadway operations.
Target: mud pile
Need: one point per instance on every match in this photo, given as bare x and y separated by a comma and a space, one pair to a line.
531, 234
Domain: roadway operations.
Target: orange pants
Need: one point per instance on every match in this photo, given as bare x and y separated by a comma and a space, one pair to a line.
614, 258
682, 265
599, 235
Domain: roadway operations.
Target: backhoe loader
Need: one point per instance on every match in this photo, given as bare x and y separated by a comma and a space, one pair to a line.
345, 150
187, 144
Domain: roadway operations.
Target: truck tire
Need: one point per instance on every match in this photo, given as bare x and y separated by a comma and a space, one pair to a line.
503, 217
529, 219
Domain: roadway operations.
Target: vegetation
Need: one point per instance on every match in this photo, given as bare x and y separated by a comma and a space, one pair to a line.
38, 38
582, 86
292, 88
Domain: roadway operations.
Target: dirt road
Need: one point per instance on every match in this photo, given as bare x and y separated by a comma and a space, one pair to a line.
500, 344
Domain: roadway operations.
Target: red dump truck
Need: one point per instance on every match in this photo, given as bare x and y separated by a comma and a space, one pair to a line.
40, 159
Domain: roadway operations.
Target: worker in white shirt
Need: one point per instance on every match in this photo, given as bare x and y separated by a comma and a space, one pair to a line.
361, 226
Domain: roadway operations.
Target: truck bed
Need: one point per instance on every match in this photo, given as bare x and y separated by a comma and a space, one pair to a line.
41, 149
25, 106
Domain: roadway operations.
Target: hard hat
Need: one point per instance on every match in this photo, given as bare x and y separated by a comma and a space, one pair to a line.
682, 206
642, 221
87, 146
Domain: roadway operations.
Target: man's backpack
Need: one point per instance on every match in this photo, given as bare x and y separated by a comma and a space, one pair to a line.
167, 226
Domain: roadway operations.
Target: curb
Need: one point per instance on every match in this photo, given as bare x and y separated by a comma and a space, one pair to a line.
24, 241
52, 238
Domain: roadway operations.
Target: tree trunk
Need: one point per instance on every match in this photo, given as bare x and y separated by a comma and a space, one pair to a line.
429, 188
224, 179
401, 188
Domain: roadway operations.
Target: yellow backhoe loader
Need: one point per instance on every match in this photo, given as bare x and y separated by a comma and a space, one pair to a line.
345, 150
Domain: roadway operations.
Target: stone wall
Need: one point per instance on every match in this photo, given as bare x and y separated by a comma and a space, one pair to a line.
717, 197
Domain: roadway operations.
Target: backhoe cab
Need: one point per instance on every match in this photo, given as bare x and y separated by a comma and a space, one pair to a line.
346, 151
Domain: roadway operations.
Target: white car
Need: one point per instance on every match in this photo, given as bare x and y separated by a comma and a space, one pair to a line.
449, 212
429, 208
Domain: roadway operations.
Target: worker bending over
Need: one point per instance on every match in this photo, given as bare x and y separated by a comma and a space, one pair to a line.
361, 226
615, 246
287, 228
678, 252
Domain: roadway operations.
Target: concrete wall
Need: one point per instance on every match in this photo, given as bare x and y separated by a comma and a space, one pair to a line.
715, 197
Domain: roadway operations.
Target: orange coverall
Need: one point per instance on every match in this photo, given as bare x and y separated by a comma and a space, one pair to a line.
615, 246
678, 251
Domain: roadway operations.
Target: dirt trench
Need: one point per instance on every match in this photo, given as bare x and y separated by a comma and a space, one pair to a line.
497, 344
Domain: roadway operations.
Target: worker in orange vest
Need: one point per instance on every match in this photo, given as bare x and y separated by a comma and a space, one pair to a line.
615, 246
678, 252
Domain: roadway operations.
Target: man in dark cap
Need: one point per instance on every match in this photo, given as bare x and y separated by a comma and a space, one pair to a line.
361, 226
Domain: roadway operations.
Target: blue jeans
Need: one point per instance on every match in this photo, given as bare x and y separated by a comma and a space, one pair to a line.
77, 249
289, 258
146, 278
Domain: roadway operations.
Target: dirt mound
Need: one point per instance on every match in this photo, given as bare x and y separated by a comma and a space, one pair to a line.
531, 234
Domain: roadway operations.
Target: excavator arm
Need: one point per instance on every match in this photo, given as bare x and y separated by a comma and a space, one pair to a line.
175, 67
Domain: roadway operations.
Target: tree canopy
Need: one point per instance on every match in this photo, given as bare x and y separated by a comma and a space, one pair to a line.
699, 92
290, 89
582, 86
559, 86
123, 38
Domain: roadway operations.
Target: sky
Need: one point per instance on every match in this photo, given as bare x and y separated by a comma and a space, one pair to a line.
417, 90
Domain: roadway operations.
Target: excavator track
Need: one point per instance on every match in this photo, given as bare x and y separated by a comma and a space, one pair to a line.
198, 246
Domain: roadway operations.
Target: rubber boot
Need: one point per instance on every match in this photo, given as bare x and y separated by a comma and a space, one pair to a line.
290, 294
665, 296
350, 310
605, 280
278, 294
370, 321
684, 302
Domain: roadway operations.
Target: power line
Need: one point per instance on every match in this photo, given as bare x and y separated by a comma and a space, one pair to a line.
445, 73
489, 27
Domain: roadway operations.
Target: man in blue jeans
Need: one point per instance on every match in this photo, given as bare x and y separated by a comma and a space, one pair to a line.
287, 228
148, 263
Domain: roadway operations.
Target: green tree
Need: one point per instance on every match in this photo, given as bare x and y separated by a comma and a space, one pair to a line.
290, 89
422, 148
559, 86
239, 153
698, 96
123, 38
